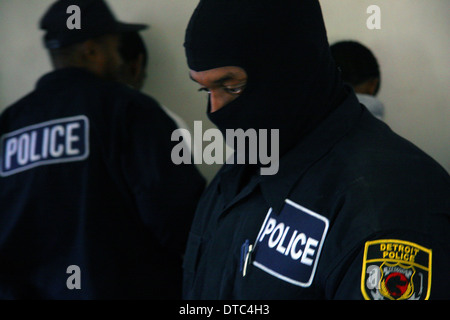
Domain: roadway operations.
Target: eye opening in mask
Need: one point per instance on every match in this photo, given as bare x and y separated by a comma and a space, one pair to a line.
234, 90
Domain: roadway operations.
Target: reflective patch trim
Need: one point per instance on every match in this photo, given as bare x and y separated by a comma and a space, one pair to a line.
56, 141
288, 245
396, 270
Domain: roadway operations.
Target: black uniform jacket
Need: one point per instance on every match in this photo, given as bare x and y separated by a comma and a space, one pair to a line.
354, 212
91, 205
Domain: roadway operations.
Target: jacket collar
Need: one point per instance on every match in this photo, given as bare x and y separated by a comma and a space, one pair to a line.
293, 165
71, 74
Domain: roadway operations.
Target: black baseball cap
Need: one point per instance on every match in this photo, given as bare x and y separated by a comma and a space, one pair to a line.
96, 20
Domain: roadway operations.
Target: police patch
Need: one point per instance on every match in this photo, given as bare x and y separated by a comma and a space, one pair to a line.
55, 141
396, 270
288, 245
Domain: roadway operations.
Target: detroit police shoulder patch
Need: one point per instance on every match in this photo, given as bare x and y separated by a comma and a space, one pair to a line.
396, 270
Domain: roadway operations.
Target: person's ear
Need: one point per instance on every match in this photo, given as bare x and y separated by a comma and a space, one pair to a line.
89, 49
93, 56
369, 87
375, 86
138, 72
138, 67
372, 86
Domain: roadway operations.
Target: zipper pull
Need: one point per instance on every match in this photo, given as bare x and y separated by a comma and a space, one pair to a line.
244, 250
247, 260
246, 256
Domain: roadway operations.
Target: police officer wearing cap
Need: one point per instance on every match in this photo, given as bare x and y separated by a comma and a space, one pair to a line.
354, 211
92, 207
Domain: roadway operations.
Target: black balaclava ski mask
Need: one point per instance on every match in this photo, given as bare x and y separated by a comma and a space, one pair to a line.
293, 83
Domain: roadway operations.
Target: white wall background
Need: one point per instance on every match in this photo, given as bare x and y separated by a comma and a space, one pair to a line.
412, 47
413, 50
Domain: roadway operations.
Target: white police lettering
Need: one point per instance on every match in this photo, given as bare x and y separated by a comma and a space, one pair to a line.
56, 141
294, 245
289, 244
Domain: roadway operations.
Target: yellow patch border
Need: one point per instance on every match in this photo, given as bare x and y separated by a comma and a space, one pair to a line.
408, 243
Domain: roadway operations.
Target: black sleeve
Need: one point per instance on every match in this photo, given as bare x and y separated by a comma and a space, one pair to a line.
393, 239
166, 194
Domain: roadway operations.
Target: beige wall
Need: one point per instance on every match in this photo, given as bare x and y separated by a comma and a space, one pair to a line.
412, 47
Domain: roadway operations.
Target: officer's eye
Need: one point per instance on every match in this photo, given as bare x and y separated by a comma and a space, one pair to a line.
228, 89
235, 90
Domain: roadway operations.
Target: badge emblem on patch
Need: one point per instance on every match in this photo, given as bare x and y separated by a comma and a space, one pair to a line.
396, 270
288, 245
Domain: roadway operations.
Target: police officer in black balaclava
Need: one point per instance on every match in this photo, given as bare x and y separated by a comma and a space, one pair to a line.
282, 52
341, 219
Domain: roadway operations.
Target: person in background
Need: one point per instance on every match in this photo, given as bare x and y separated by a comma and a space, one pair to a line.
359, 68
91, 205
134, 70
135, 60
